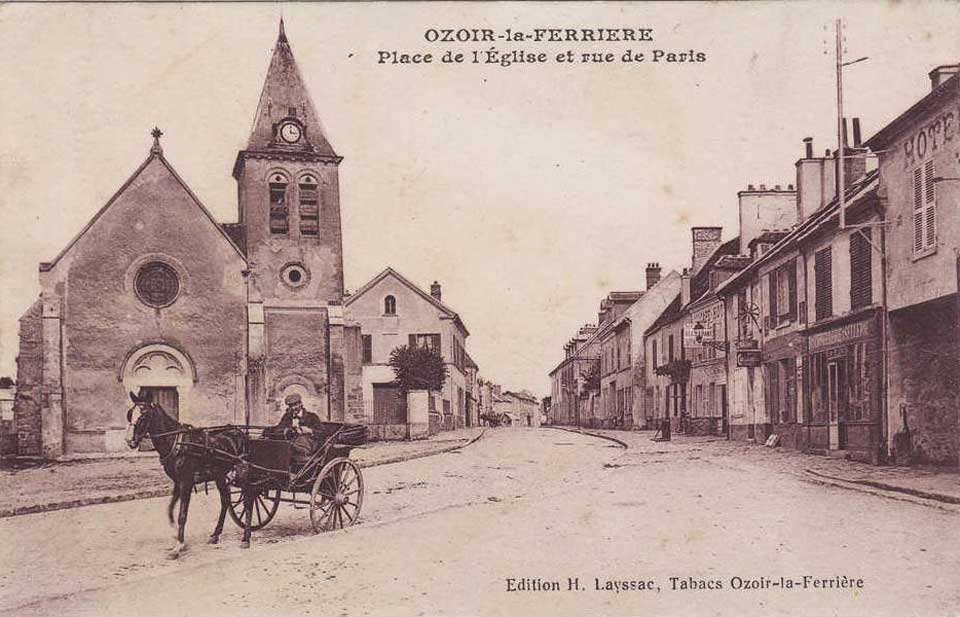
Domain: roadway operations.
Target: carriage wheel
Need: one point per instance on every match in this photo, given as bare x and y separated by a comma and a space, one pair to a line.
265, 506
337, 495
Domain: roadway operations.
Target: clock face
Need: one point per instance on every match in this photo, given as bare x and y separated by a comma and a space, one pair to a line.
290, 133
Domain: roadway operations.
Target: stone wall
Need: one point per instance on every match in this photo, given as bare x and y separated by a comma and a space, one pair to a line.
925, 383
26, 406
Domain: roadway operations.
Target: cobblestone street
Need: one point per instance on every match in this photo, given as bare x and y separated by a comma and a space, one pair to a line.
442, 536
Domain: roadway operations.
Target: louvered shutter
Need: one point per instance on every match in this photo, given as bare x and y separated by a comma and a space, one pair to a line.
791, 273
930, 202
918, 210
823, 272
861, 275
772, 297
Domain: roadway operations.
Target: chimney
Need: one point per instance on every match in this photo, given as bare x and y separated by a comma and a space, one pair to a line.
705, 242
435, 291
816, 183
942, 73
854, 163
685, 286
653, 274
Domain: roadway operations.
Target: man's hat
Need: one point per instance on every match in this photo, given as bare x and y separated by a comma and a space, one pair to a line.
292, 399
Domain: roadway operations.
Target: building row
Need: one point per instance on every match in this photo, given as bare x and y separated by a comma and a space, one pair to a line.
829, 323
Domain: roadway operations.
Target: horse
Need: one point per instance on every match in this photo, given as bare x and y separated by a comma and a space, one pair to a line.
189, 456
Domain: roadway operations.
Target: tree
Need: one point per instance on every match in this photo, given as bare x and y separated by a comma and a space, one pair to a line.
418, 368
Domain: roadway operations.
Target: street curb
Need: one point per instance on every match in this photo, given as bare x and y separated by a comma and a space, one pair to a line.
622, 444
891, 487
416, 455
150, 494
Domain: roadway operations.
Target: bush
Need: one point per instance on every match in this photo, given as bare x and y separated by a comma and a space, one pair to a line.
418, 368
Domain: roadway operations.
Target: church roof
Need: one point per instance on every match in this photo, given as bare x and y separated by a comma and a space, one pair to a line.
156, 152
285, 96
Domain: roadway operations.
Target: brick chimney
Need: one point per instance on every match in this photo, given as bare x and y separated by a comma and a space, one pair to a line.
942, 73
435, 291
705, 242
653, 274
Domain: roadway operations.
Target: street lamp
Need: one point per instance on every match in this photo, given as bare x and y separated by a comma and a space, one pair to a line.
698, 330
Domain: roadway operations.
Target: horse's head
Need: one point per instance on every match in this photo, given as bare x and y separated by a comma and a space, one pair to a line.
138, 420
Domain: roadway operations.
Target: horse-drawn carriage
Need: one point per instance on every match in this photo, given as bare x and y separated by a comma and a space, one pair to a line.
271, 473
255, 468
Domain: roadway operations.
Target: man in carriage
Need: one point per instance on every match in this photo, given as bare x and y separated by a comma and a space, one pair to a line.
298, 425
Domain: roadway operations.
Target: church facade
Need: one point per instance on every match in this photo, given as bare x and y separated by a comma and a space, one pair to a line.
215, 321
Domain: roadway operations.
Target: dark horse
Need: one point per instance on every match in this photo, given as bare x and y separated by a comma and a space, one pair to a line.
189, 456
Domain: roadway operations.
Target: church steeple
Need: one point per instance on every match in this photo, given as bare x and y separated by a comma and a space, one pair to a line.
286, 118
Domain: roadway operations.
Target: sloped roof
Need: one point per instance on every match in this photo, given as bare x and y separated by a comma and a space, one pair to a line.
155, 153
449, 312
284, 90
887, 134
669, 315
859, 191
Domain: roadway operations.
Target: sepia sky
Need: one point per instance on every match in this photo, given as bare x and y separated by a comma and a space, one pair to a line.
529, 192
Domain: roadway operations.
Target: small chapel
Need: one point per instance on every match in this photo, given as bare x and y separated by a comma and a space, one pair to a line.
217, 322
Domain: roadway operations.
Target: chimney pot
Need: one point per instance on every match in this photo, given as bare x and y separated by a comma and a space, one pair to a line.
749, 187
763, 187
789, 187
435, 291
857, 142
653, 274
776, 187
808, 147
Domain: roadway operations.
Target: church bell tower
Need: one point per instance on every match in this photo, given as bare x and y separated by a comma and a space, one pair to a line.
289, 203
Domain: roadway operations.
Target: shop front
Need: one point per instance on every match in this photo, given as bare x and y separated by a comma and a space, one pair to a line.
843, 377
782, 368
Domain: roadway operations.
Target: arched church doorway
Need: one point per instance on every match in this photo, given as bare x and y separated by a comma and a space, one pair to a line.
163, 374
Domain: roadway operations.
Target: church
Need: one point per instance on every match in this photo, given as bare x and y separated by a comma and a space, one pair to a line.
217, 322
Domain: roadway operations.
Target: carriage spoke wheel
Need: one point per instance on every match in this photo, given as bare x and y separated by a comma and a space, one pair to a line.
337, 495
265, 506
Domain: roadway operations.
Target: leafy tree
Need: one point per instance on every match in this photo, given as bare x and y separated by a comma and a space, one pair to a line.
418, 368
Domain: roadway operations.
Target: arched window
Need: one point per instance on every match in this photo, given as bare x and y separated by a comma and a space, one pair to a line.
278, 204
389, 305
309, 206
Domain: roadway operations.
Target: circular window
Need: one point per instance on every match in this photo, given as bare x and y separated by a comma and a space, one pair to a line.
294, 275
157, 284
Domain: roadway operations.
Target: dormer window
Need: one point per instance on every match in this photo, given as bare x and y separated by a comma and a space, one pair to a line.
278, 204
309, 206
389, 305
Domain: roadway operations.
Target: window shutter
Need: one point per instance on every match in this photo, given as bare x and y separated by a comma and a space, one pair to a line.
823, 272
411, 340
861, 276
918, 209
436, 342
930, 231
792, 283
772, 297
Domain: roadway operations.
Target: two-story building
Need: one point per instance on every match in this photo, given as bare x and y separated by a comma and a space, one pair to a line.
919, 162
391, 311
806, 314
616, 375
575, 381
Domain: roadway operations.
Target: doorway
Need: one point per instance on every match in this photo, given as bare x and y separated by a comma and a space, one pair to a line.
837, 400
166, 397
